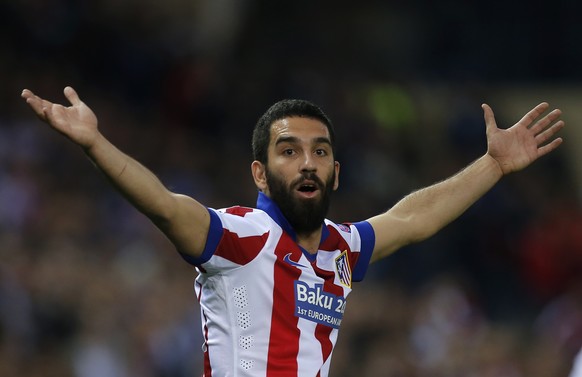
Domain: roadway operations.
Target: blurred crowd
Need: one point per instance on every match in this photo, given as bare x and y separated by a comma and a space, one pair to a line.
89, 287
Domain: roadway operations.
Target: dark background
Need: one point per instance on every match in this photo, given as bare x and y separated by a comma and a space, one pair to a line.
88, 287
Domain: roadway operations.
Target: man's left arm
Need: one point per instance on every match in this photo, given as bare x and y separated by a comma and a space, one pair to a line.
423, 213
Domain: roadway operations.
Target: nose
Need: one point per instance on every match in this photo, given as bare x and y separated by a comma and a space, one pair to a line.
308, 163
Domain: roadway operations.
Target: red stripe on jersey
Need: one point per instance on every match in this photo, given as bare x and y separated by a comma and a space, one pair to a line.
323, 332
284, 336
238, 210
240, 250
336, 242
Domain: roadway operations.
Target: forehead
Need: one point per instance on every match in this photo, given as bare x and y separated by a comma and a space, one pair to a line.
304, 129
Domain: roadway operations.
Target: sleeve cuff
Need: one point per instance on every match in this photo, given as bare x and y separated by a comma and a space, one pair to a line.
214, 235
368, 241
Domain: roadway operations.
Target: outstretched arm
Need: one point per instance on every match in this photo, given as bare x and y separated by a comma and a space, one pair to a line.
424, 212
181, 218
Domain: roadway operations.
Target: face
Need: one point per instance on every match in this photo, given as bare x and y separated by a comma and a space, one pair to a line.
301, 172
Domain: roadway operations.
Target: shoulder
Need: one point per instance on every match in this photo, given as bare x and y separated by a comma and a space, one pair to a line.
350, 230
237, 210
353, 234
236, 234
356, 240
239, 218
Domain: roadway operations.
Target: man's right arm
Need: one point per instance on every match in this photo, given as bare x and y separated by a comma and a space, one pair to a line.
182, 219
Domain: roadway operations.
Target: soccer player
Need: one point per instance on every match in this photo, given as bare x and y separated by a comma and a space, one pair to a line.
273, 280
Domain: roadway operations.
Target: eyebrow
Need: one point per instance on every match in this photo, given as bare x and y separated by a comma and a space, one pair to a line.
295, 140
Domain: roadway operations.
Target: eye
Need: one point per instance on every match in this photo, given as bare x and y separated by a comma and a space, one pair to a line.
288, 152
320, 152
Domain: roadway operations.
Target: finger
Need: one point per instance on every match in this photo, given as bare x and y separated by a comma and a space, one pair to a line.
37, 104
55, 115
549, 147
29, 96
72, 96
490, 123
545, 121
26, 93
549, 132
533, 114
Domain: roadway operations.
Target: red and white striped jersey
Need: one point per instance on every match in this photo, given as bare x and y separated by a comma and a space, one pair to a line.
268, 307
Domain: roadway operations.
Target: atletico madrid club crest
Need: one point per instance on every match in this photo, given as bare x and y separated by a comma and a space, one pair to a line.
343, 269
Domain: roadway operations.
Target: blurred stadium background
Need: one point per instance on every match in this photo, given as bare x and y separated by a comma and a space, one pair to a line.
89, 288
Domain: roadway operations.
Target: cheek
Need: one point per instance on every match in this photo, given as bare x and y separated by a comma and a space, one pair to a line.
282, 169
276, 175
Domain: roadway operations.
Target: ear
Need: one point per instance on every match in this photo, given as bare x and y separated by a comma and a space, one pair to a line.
259, 175
337, 170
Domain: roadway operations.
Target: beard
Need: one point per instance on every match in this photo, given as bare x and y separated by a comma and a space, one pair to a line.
304, 215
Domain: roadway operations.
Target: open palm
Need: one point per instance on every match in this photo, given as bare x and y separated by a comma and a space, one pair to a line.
77, 122
518, 146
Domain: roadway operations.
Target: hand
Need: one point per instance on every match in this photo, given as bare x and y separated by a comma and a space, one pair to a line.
77, 122
518, 146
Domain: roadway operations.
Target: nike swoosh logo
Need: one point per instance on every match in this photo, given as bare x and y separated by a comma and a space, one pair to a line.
287, 259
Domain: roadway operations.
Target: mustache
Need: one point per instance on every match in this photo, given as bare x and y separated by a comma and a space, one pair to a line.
308, 176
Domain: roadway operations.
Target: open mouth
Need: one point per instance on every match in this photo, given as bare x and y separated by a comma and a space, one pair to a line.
307, 188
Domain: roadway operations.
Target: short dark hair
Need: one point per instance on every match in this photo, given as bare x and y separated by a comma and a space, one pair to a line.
284, 109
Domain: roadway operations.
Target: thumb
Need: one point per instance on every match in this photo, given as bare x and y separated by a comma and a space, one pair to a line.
490, 123
72, 96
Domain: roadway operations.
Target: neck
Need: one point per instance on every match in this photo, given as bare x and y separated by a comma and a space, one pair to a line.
310, 241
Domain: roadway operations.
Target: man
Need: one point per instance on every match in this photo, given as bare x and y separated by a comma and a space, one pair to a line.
273, 280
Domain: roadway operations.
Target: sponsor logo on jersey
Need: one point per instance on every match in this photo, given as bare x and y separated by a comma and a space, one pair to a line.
316, 305
344, 272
